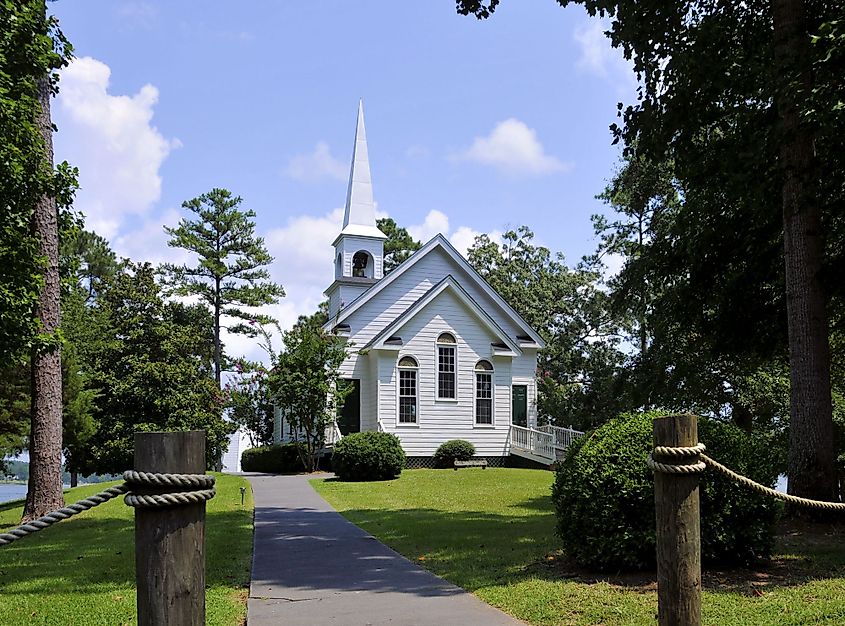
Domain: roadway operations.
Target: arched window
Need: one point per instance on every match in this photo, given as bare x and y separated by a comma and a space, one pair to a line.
484, 393
408, 390
339, 264
446, 366
362, 265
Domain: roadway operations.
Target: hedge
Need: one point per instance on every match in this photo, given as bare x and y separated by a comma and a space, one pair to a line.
275, 459
453, 450
604, 497
368, 456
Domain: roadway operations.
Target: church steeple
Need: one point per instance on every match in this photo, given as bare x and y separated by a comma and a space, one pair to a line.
359, 248
359, 218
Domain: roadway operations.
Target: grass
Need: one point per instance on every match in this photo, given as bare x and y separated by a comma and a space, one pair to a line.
82, 570
492, 532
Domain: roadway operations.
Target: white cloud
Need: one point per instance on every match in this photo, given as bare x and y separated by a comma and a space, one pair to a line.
112, 141
417, 151
148, 241
513, 148
598, 57
137, 13
317, 165
613, 264
437, 222
464, 237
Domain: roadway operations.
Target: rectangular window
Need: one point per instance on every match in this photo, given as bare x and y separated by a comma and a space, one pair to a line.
407, 396
446, 372
483, 398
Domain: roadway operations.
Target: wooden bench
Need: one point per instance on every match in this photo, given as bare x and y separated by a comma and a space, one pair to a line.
482, 463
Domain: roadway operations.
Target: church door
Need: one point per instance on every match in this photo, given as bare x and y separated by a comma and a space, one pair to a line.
520, 405
349, 417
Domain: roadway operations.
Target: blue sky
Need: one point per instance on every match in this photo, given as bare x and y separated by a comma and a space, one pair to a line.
472, 126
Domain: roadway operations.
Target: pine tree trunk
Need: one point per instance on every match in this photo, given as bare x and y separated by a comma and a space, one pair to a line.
810, 467
45, 442
217, 350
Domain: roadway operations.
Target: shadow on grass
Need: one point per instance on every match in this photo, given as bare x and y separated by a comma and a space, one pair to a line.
479, 549
812, 552
98, 552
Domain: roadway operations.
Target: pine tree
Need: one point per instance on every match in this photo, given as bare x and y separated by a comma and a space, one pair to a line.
231, 272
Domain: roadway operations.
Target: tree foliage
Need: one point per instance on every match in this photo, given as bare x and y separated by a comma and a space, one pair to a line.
152, 371
32, 47
581, 363
756, 126
231, 273
305, 382
399, 245
250, 402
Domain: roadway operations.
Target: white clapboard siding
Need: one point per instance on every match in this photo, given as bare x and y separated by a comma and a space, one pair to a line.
391, 302
441, 420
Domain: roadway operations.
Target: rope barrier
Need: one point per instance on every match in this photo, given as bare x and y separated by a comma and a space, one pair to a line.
704, 461
187, 489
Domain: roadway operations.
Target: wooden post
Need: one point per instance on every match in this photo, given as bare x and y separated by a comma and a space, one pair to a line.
170, 541
678, 527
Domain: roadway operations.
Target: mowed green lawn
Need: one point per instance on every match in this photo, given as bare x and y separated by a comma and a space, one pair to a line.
82, 570
492, 532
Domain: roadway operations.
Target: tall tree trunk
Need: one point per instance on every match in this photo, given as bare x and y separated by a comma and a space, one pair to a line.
217, 349
45, 441
810, 467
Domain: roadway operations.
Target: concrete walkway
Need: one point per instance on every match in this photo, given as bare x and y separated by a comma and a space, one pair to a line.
311, 566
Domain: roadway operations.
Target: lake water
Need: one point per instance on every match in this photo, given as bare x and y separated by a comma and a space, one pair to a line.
12, 492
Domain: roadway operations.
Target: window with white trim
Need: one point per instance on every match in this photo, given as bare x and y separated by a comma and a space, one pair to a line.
408, 390
484, 393
446, 370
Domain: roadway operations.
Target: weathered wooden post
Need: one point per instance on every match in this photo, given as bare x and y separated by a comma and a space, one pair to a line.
170, 541
678, 526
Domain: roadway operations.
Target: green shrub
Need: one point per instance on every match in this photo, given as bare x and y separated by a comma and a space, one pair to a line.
604, 497
453, 450
368, 456
276, 459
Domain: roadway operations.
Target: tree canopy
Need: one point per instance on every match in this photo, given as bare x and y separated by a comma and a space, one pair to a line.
305, 381
231, 273
32, 47
569, 309
755, 126
399, 245
153, 371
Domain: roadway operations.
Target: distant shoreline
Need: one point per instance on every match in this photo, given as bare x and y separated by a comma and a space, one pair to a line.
13, 482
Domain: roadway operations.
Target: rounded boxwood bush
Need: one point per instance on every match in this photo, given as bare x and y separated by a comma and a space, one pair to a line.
604, 497
275, 459
368, 456
453, 450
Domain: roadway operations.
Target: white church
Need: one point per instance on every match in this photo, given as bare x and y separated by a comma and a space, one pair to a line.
434, 353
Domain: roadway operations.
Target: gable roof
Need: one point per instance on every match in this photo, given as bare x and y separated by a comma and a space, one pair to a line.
447, 284
438, 241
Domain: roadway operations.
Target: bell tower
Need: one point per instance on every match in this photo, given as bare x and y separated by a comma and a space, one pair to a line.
359, 248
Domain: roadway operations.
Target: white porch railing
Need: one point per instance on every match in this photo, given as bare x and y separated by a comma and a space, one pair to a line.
563, 437
536, 442
333, 434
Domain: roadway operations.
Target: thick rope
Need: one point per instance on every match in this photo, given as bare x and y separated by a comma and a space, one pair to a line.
705, 461
193, 488
65, 512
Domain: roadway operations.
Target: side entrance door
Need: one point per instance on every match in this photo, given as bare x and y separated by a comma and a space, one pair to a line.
520, 405
349, 417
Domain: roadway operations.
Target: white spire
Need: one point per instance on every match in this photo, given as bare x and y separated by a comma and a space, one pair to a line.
360, 215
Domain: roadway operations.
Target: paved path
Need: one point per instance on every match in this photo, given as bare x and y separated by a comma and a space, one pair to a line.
311, 566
